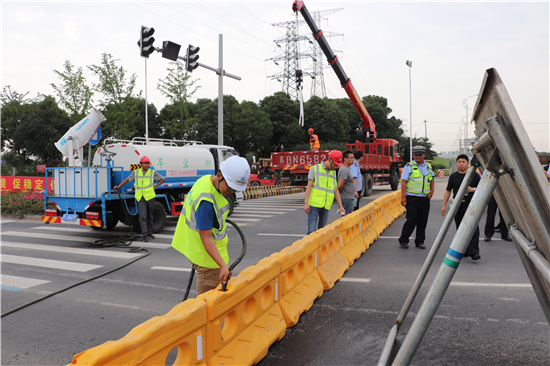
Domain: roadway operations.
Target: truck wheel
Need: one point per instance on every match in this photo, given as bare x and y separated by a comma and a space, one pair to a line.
159, 217
231, 200
255, 184
368, 184
394, 181
278, 182
363, 190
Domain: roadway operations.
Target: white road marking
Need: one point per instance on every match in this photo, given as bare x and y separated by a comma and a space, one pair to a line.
49, 263
278, 212
240, 215
6, 221
480, 284
178, 269
20, 282
58, 249
354, 279
268, 234
79, 238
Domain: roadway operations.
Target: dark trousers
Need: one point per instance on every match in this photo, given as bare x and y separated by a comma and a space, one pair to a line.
490, 223
418, 210
473, 247
146, 209
357, 203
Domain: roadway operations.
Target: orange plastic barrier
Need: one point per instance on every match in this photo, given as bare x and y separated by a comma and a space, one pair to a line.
351, 236
151, 342
299, 281
368, 233
246, 319
332, 260
379, 224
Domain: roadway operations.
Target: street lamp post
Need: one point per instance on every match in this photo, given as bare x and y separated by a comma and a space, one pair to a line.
410, 64
466, 107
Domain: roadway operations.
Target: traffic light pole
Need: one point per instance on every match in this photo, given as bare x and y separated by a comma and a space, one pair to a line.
221, 73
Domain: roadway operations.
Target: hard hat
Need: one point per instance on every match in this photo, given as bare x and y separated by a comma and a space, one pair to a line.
336, 156
310, 130
145, 159
236, 172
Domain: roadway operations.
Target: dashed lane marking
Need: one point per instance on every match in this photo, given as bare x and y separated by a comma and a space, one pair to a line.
481, 284
177, 269
269, 234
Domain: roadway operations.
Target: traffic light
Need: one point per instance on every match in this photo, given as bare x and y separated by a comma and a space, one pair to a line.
192, 57
299, 77
145, 42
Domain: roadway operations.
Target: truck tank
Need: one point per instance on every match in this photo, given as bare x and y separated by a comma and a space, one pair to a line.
177, 164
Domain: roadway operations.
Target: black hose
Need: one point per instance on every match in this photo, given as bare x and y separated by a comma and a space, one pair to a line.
231, 267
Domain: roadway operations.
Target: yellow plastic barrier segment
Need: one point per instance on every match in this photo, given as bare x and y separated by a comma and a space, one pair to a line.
151, 342
244, 321
351, 236
367, 231
332, 260
299, 281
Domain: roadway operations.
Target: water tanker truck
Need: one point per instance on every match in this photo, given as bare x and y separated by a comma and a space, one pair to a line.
85, 196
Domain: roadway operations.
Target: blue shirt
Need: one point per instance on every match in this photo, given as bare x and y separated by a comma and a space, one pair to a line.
205, 216
356, 173
424, 170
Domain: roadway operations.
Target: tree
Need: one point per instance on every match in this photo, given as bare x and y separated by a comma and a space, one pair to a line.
283, 113
386, 127
327, 119
14, 107
75, 96
178, 87
112, 81
127, 120
249, 129
422, 141
41, 127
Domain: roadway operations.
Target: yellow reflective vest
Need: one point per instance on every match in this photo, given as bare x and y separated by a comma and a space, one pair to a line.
324, 186
314, 142
144, 185
187, 239
418, 183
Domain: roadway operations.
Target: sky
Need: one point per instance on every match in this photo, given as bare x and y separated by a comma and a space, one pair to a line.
451, 44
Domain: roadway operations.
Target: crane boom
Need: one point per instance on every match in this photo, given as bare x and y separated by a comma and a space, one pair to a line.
366, 132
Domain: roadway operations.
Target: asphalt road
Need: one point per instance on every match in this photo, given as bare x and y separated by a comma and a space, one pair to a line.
478, 323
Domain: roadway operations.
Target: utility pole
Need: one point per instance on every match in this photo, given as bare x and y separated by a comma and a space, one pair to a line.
426, 128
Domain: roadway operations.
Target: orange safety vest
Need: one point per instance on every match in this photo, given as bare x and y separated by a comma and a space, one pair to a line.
314, 142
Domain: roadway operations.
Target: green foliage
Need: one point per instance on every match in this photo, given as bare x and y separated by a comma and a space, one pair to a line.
42, 125
422, 141
74, 95
329, 122
249, 129
113, 84
22, 204
283, 113
127, 120
177, 87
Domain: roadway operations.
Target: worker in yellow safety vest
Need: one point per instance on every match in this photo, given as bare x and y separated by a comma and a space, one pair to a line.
144, 179
322, 188
201, 233
313, 140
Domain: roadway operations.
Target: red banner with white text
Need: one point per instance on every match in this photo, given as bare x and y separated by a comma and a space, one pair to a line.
37, 184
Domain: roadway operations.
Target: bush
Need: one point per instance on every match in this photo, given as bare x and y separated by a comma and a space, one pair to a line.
22, 204
439, 166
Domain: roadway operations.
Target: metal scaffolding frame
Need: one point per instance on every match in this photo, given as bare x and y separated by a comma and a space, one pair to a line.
512, 174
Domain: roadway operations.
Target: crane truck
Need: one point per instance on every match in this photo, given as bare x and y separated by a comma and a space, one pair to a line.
85, 196
382, 157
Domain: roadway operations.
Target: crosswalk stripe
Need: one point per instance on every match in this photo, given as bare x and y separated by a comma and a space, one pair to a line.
243, 219
53, 248
277, 208
49, 263
172, 269
238, 214
79, 238
262, 212
15, 283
